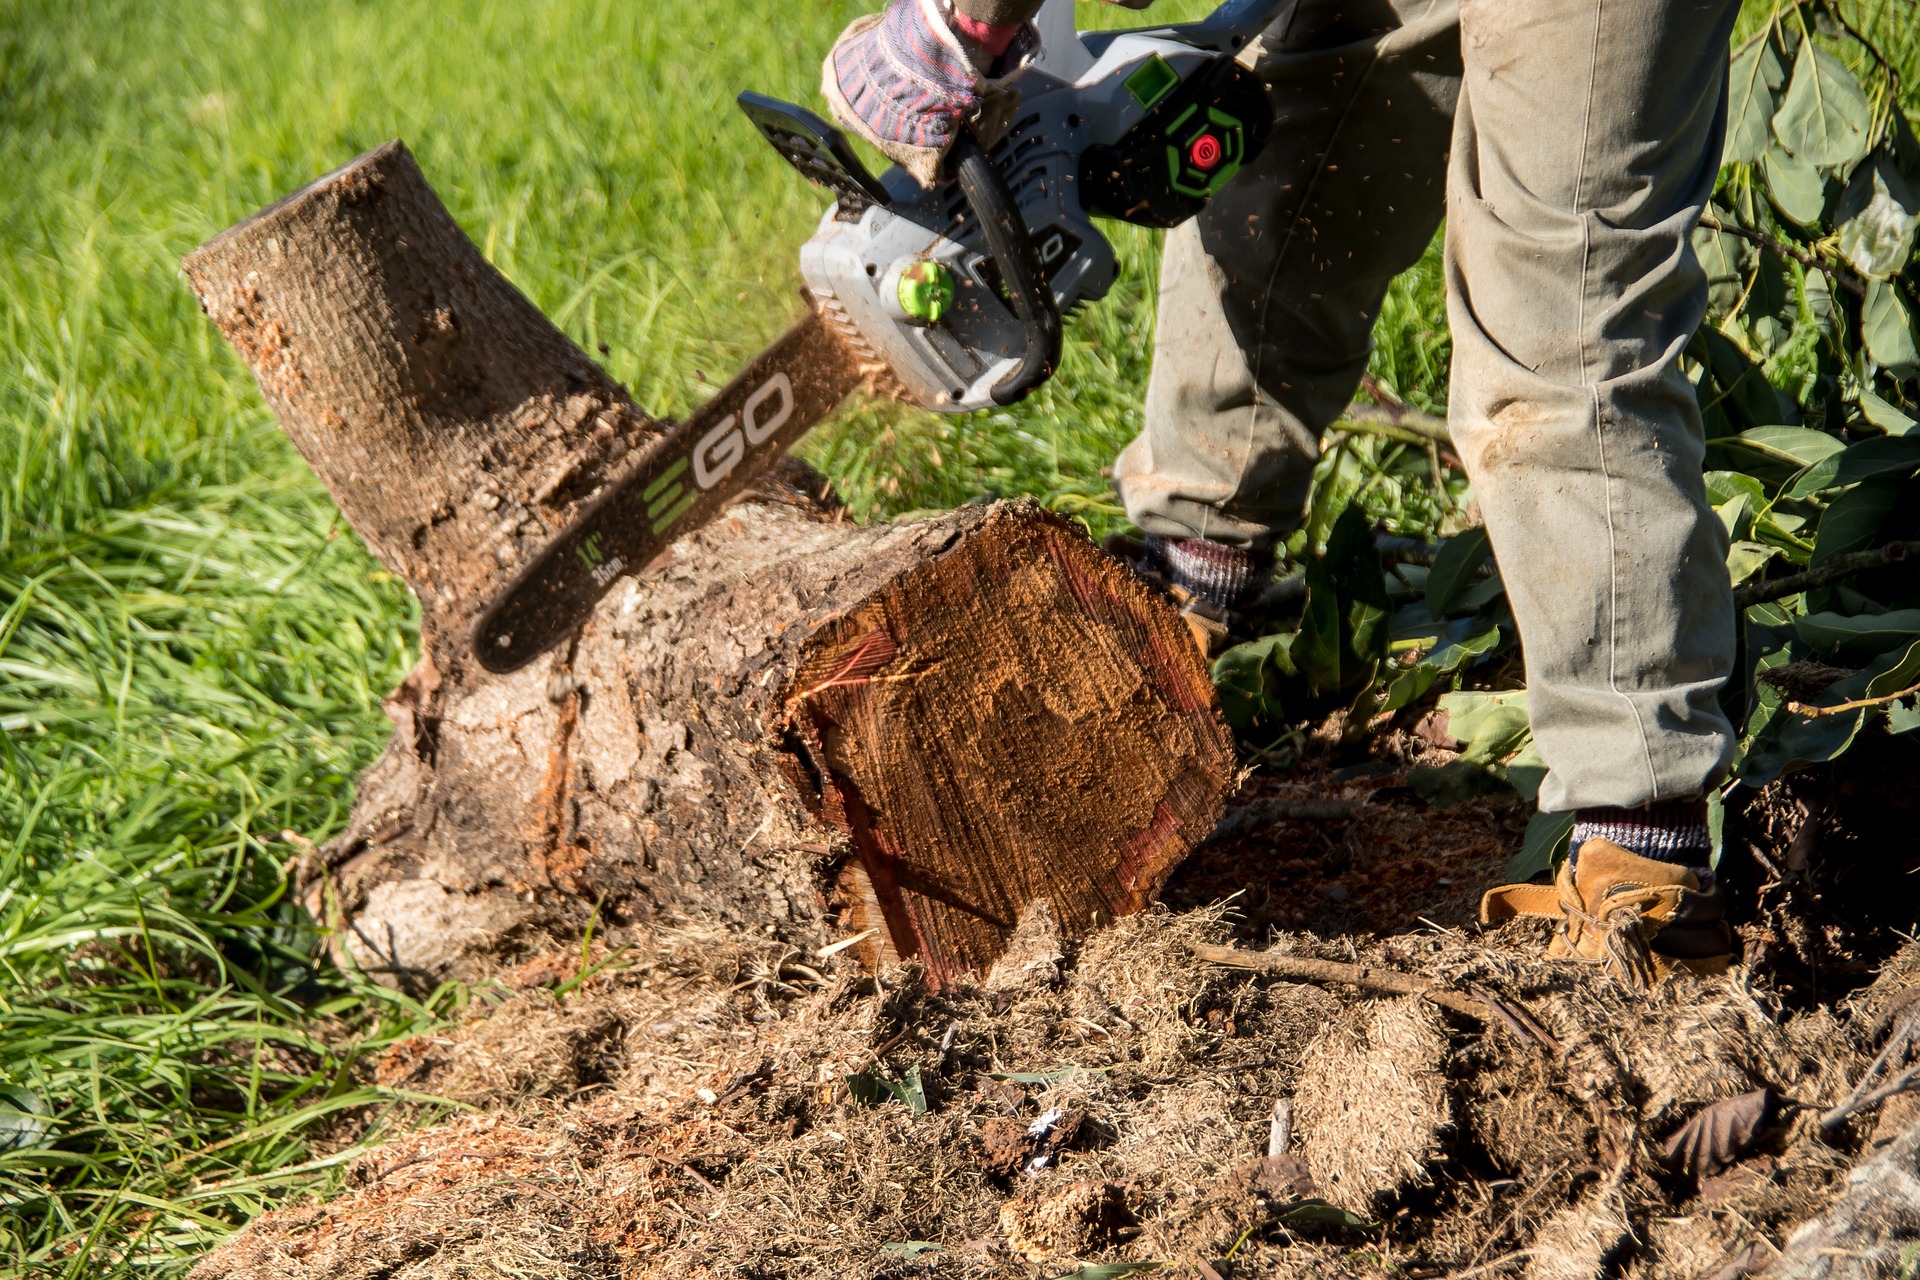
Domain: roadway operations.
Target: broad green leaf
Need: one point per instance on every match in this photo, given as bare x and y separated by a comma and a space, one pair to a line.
1881, 456
1853, 519
1455, 653
1789, 739
1716, 825
910, 1248
1736, 516
1796, 444
1720, 257
1459, 646
1884, 415
1753, 82
1744, 559
1816, 290
1055, 1076
1834, 633
1526, 770
1799, 191
1876, 219
1903, 717
1545, 844
1250, 678
1824, 117
1454, 568
1725, 486
1773, 455
912, 1093
1491, 726
1343, 631
1887, 327
1337, 478
1892, 672
1481, 594
1773, 305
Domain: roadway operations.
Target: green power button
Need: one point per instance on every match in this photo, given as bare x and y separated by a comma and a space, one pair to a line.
926, 292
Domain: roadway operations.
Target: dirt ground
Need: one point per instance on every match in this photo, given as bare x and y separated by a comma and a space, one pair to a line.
705, 1106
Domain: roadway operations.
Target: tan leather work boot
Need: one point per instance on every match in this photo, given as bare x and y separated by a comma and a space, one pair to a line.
1638, 919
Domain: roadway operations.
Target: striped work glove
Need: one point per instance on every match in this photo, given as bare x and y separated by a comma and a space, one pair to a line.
908, 80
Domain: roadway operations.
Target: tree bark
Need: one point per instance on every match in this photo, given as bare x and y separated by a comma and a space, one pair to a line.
789, 724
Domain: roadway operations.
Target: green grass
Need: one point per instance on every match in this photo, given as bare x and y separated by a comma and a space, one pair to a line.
192, 651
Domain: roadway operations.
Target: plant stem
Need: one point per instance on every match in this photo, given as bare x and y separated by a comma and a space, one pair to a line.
1845, 279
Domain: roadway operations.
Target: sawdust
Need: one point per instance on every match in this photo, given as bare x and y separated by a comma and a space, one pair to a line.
694, 1108
1372, 1101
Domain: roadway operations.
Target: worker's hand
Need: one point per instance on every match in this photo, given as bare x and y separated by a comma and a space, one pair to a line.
908, 80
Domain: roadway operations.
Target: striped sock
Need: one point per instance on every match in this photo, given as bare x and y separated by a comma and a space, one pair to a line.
1671, 831
1223, 576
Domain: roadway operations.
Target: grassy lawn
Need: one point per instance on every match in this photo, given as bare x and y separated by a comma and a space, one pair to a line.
193, 650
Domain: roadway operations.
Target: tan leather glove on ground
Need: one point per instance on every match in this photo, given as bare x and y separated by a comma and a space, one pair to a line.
1638, 919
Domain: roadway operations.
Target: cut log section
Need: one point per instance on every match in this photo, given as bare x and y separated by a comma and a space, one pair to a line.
790, 724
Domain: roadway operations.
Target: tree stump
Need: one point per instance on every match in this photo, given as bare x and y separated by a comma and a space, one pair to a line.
789, 724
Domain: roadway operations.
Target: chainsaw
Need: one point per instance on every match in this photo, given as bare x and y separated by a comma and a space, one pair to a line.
950, 298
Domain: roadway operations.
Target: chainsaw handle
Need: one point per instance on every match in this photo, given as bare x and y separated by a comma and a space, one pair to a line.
1011, 248
1226, 30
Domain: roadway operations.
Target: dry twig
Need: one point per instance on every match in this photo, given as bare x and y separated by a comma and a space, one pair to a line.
1901, 1045
1366, 977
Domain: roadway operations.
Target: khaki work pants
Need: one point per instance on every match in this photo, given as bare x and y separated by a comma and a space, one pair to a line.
1585, 137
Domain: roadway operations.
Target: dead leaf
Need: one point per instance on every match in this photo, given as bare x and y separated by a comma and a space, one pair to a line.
1713, 1141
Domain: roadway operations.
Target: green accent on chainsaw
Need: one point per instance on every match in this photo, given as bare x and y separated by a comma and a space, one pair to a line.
1153, 81
926, 292
1191, 143
1204, 154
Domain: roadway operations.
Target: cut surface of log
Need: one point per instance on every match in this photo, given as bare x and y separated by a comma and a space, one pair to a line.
789, 724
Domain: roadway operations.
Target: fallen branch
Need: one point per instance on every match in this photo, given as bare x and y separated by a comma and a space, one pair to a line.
1366, 977
1260, 813
1858, 704
1839, 567
1904, 1040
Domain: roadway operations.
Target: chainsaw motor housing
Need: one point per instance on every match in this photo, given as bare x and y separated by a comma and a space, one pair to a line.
1142, 127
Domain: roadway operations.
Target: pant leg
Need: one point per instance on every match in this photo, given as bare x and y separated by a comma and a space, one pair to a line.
1588, 138
1267, 300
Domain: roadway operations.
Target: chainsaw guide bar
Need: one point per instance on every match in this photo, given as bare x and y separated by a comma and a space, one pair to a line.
683, 479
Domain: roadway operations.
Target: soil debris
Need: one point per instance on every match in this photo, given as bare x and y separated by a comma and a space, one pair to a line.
715, 1133
688, 1104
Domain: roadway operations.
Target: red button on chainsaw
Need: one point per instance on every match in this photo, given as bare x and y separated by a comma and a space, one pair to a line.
1207, 152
